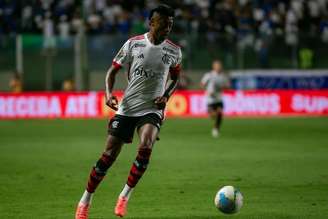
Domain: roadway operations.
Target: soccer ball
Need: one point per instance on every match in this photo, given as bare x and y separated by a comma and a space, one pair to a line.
228, 200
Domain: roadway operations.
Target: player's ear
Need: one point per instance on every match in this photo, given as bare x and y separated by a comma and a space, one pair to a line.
151, 22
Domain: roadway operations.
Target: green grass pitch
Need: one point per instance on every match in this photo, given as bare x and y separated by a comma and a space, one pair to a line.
279, 164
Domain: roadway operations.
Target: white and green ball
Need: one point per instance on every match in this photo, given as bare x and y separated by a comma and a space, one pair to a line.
228, 200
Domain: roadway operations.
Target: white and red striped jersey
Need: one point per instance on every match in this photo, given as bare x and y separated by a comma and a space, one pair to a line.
214, 84
148, 67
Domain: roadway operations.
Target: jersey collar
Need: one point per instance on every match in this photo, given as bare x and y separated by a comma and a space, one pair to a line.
150, 43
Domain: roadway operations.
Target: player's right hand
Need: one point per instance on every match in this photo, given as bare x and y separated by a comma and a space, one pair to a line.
112, 102
161, 102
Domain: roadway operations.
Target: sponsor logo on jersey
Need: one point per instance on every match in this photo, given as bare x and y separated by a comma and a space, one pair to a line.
141, 56
147, 73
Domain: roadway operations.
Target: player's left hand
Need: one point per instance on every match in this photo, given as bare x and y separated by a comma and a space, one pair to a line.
161, 102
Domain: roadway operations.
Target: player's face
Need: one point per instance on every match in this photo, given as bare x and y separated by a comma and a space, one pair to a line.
161, 26
217, 66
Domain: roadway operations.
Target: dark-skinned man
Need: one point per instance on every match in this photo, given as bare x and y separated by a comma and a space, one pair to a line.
150, 60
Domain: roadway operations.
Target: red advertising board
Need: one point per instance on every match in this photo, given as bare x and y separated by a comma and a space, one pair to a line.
181, 104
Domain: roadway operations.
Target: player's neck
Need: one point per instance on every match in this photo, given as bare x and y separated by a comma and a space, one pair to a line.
153, 39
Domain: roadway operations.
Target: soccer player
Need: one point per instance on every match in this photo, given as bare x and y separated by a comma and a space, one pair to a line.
150, 59
214, 82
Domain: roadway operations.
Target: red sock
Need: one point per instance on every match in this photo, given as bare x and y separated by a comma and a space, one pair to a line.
98, 172
139, 166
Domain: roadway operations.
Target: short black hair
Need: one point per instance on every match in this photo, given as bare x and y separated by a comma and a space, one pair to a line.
162, 9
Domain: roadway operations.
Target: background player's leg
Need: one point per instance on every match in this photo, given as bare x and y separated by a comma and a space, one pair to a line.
218, 118
214, 115
147, 134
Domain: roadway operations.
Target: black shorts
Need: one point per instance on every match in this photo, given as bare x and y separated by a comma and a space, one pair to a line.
214, 106
123, 126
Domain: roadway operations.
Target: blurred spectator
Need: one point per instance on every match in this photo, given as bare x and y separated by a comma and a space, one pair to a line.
241, 18
261, 46
291, 28
306, 58
138, 26
123, 23
77, 23
15, 83
324, 29
68, 85
94, 23
49, 41
63, 28
27, 18
245, 26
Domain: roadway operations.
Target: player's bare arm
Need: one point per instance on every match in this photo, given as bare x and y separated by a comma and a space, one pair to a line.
161, 101
111, 100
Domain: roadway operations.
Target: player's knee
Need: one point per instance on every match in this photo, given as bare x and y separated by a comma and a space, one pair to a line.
146, 142
212, 113
104, 163
114, 142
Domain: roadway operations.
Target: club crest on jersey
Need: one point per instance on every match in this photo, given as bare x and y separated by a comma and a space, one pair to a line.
167, 59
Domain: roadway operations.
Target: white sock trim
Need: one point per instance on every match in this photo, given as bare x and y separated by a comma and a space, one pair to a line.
86, 197
126, 192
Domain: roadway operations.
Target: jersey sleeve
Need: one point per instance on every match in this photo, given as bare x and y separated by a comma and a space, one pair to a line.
204, 80
175, 67
123, 56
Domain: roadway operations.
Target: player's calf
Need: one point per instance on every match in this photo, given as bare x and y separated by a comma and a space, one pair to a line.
99, 171
139, 166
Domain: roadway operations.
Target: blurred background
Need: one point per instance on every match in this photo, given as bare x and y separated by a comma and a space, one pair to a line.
69, 44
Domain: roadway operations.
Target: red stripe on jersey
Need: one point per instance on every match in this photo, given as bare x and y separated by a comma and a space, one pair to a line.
170, 42
116, 65
175, 70
138, 37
